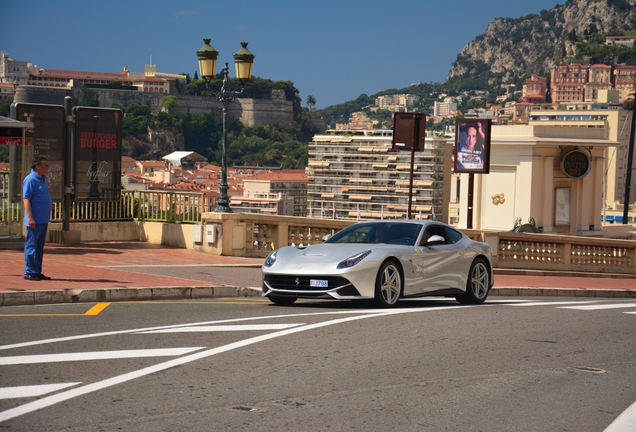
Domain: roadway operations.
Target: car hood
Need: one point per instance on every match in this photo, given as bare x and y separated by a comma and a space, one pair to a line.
321, 253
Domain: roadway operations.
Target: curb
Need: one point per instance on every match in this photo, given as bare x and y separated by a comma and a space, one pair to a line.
30, 298
561, 292
41, 297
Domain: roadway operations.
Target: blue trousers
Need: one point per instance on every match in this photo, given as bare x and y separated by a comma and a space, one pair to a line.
34, 248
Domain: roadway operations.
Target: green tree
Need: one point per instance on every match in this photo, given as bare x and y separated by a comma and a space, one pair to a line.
311, 102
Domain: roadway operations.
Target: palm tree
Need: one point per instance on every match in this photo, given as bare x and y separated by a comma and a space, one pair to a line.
311, 102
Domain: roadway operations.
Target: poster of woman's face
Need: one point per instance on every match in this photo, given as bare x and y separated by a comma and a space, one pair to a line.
472, 146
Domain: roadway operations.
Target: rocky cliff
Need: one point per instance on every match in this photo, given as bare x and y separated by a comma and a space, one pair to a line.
513, 48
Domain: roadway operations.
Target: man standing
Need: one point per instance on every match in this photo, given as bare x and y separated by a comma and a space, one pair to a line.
37, 215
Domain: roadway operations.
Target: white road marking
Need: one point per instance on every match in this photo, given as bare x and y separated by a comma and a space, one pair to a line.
601, 307
554, 303
224, 328
113, 333
625, 422
95, 355
33, 390
89, 388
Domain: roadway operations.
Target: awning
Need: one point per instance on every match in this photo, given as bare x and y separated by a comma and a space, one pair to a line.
361, 197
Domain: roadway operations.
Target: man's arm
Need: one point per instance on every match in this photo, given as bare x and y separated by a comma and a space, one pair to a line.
29, 212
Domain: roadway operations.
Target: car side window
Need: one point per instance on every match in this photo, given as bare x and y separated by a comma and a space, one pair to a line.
453, 236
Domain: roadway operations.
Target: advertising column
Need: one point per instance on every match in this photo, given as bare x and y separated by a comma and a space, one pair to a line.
97, 154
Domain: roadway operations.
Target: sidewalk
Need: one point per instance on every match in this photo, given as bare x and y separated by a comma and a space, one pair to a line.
131, 271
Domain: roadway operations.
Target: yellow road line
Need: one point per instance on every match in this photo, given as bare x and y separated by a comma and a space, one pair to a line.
95, 310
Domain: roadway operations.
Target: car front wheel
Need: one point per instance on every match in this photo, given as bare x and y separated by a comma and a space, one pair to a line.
477, 285
388, 285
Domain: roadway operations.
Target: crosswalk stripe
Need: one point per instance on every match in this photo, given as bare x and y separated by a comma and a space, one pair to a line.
95, 355
224, 328
601, 306
32, 390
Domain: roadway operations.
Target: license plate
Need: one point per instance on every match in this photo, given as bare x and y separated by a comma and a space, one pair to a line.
318, 283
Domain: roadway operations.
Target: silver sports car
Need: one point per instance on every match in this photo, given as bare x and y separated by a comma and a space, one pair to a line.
384, 260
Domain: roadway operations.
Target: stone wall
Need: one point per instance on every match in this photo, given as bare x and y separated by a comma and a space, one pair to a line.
249, 111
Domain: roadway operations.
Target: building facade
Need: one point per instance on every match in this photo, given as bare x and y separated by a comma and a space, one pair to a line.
615, 123
625, 81
356, 175
287, 187
568, 83
534, 89
531, 177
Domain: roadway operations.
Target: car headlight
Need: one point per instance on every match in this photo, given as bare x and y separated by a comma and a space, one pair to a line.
271, 259
353, 260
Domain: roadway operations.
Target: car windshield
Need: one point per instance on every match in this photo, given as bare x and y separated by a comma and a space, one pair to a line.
384, 232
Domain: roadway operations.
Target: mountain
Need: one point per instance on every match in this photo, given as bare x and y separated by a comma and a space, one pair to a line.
512, 49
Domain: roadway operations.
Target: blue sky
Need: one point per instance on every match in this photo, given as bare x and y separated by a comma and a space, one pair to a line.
333, 50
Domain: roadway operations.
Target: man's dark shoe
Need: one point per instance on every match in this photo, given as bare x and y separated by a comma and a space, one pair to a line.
42, 277
32, 277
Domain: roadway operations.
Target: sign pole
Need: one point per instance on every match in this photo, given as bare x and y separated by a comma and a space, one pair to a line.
471, 189
630, 157
68, 174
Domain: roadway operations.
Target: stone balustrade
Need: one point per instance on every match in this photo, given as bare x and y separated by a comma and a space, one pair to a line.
560, 252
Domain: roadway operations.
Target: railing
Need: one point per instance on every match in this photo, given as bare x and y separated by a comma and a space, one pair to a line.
9, 211
158, 206
558, 252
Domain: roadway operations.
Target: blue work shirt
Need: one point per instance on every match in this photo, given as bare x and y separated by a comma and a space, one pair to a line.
36, 190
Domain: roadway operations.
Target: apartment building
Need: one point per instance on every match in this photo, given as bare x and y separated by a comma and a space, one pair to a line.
599, 79
443, 109
610, 117
568, 83
282, 192
396, 102
625, 81
534, 89
357, 175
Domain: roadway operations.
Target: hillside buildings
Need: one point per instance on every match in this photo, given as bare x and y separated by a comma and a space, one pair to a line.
396, 102
357, 175
583, 83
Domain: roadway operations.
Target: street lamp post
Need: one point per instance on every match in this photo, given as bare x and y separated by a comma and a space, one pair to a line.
243, 61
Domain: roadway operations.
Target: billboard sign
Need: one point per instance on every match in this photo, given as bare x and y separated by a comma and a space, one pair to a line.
11, 136
472, 146
46, 130
97, 144
409, 131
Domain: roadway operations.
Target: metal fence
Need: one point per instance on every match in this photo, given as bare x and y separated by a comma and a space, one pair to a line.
159, 206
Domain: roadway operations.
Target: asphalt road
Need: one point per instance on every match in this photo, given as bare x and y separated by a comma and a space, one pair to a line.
529, 364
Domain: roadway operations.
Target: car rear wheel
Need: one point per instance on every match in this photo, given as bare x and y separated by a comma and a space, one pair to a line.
282, 301
477, 285
388, 285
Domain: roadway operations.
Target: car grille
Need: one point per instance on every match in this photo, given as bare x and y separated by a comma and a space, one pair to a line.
301, 283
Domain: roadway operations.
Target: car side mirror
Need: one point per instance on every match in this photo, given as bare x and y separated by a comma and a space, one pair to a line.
435, 239
326, 237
